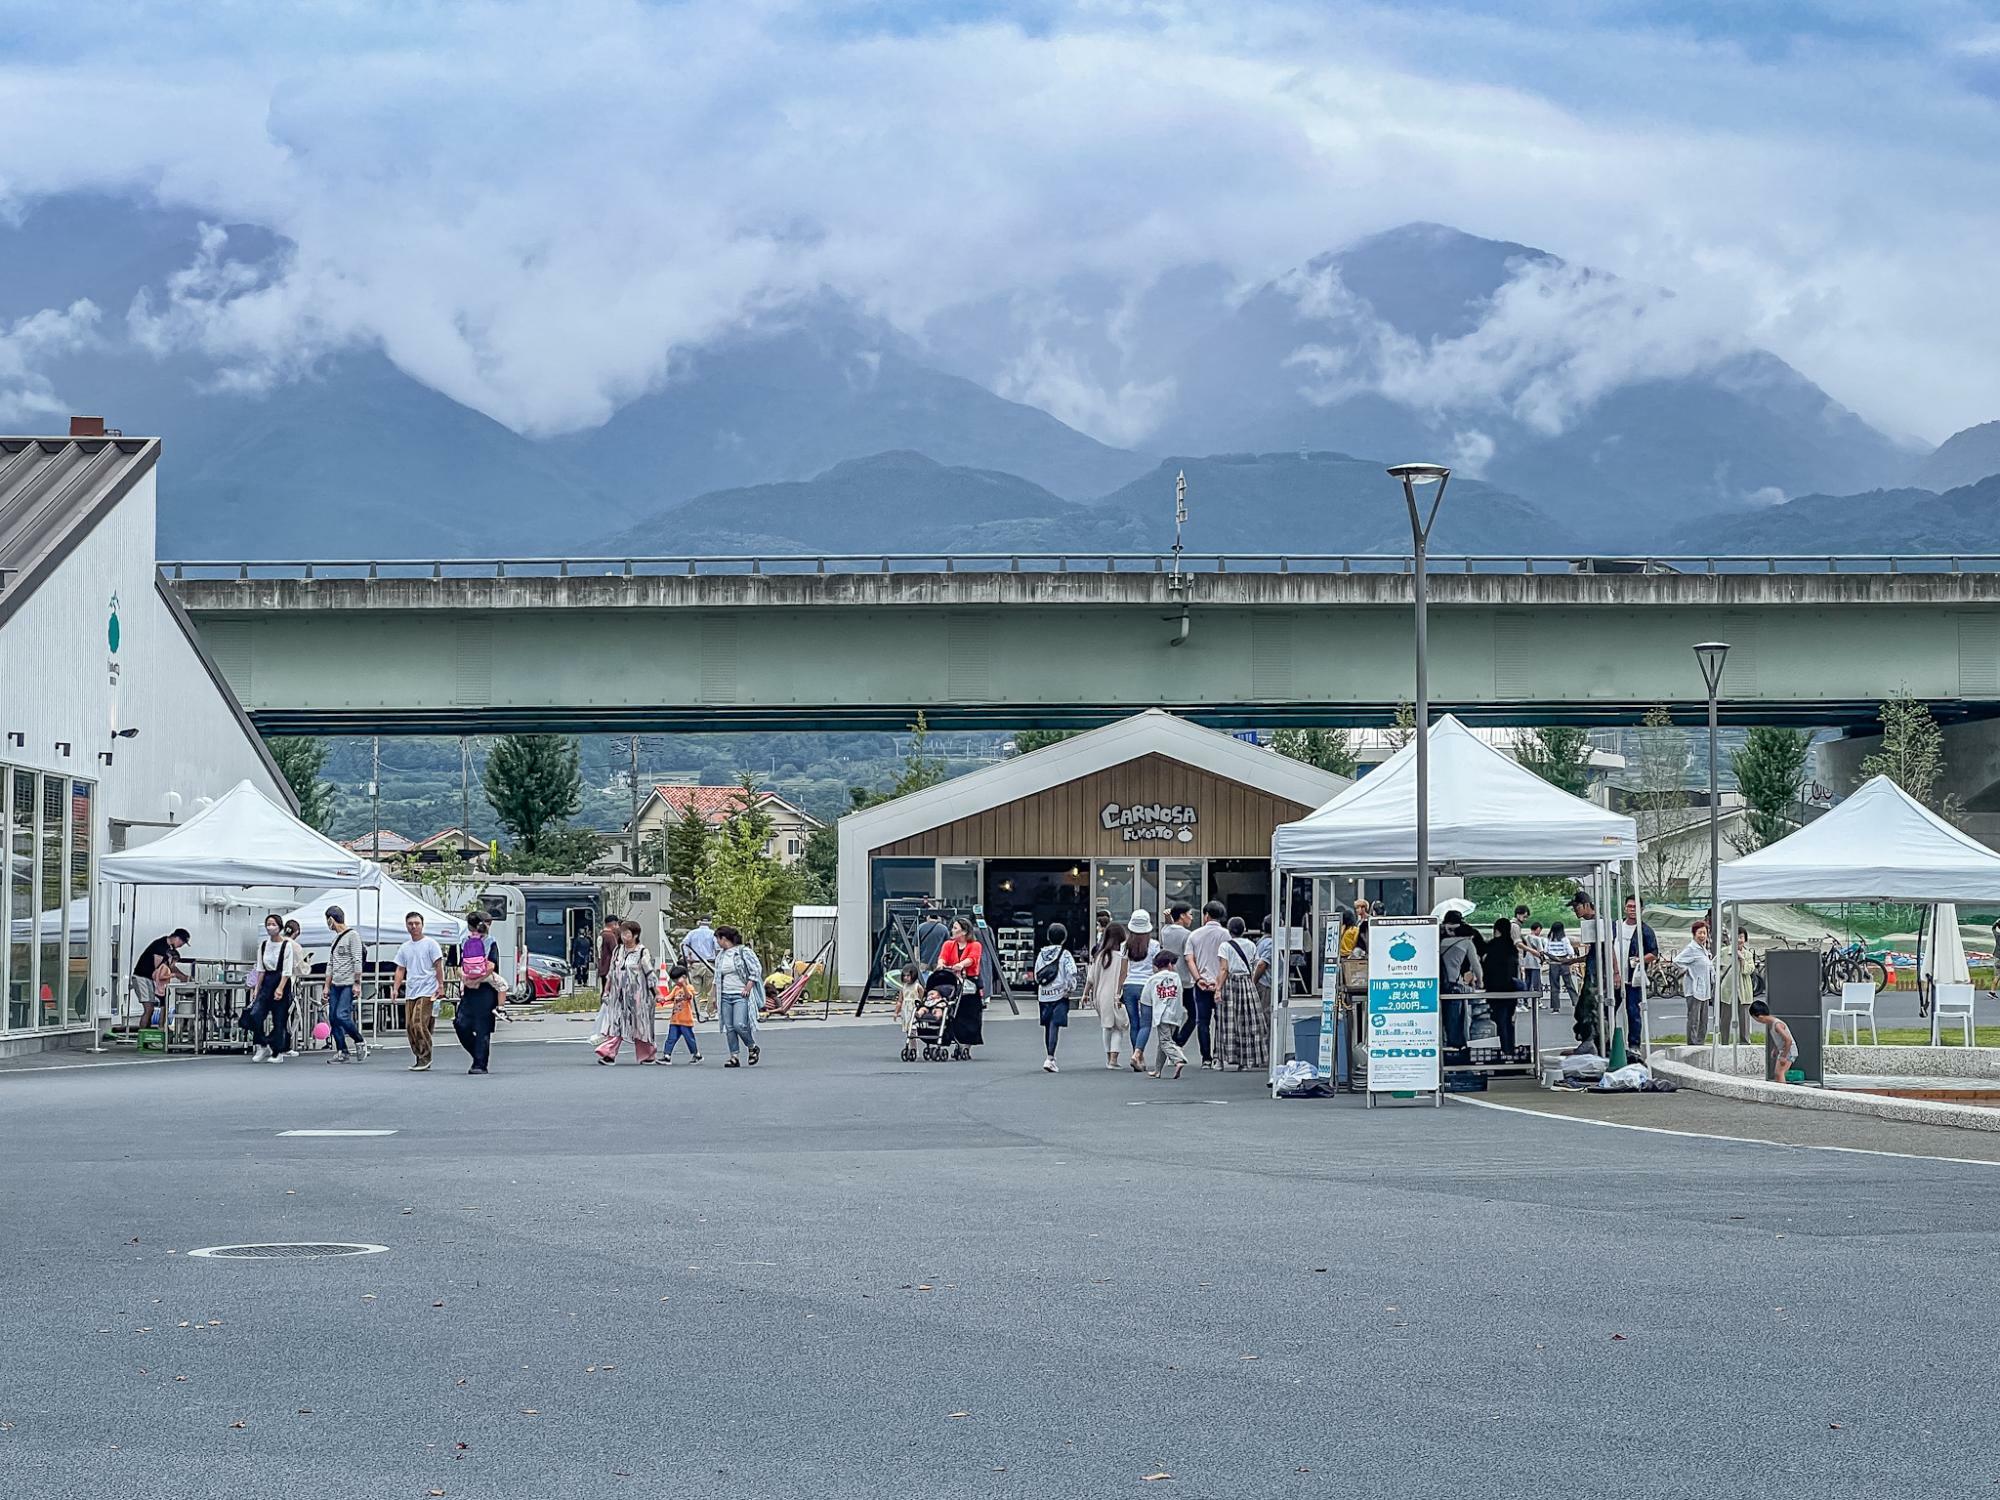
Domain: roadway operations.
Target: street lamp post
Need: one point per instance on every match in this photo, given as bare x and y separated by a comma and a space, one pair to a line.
1414, 477
1711, 655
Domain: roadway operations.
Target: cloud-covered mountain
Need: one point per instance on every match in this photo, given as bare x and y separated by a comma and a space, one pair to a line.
1611, 409
1588, 393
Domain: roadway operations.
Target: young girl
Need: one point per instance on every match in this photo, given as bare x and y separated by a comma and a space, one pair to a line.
1558, 950
680, 1015
909, 990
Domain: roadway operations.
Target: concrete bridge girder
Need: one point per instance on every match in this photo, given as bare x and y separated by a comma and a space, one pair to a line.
1005, 649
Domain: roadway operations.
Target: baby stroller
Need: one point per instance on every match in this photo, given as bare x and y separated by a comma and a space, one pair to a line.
927, 1032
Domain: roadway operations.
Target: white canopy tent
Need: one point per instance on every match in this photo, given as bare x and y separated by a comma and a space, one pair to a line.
379, 919
1881, 844
1489, 815
242, 838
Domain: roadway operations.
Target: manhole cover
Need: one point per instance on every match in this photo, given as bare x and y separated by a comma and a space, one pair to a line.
290, 1250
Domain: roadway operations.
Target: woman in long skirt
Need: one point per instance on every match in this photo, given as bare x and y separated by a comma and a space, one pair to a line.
1107, 991
630, 1009
1242, 1015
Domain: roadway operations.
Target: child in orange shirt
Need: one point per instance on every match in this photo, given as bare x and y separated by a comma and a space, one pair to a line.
680, 1023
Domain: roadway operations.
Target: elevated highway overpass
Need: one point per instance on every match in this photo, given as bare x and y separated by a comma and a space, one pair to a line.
681, 644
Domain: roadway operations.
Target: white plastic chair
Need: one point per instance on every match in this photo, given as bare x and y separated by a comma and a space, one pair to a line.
1954, 1003
1857, 1002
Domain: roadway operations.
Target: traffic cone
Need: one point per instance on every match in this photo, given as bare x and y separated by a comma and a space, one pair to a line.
1617, 1059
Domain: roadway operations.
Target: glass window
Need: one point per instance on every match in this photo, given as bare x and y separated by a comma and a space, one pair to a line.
897, 879
79, 901
20, 899
52, 878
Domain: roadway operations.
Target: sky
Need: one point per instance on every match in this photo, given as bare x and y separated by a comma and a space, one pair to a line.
534, 206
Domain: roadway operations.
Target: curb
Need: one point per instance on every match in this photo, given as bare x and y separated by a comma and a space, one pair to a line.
1833, 1101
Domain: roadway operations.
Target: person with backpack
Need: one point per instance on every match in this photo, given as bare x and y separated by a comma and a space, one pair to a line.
343, 974
1242, 1010
479, 997
1055, 982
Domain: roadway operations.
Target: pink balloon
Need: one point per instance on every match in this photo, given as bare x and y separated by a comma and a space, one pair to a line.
322, 1031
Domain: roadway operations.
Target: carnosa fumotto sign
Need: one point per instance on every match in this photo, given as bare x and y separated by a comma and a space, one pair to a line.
1151, 822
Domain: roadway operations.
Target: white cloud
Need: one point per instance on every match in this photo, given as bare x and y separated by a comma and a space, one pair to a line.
26, 394
533, 206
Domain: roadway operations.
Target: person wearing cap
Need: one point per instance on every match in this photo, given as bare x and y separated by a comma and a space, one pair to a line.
1583, 964
1139, 950
343, 973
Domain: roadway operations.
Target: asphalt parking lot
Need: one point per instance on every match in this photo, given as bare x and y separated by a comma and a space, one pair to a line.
842, 1275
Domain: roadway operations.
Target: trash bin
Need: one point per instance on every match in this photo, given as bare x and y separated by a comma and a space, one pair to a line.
1305, 1044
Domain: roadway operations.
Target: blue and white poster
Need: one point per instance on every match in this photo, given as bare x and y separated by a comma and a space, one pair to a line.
1329, 994
1403, 1037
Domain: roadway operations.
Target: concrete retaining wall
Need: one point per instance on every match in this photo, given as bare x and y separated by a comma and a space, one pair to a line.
1791, 1096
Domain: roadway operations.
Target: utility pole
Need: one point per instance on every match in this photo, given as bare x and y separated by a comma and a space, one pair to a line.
464, 788
375, 793
635, 804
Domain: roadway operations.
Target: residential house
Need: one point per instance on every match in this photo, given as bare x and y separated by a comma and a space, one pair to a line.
666, 805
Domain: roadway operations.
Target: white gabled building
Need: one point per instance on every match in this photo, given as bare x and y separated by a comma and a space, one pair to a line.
113, 724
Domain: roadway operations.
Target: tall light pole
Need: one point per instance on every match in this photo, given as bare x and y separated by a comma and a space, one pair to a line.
1711, 655
1415, 477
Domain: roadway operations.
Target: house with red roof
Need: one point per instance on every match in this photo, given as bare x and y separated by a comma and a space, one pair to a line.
791, 825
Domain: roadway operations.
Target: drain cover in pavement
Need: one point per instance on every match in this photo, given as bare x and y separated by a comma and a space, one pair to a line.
285, 1251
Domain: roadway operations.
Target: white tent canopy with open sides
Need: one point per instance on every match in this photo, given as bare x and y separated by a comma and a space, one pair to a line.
1488, 815
242, 838
1881, 844
378, 916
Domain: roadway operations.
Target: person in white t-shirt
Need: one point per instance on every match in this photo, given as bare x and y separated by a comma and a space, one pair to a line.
1055, 984
1163, 1005
419, 968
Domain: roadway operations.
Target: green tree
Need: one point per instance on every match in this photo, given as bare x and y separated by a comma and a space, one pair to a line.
1912, 753
533, 781
1559, 754
749, 887
821, 865
1326, 748
1659, 806
301, 759
562, 849
1027, 741
1404, 729
920, 768
1770, 768
690, 847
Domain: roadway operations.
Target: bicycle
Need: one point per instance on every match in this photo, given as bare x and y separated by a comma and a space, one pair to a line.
1849, 963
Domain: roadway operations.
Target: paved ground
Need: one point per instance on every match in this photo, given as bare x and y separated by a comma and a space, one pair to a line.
839, 1275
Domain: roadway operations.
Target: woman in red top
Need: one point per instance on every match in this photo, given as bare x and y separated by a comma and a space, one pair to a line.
965, 956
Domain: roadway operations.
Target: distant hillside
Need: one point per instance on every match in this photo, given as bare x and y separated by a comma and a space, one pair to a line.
1966, 519
889, 502
1963, 458
1324, 502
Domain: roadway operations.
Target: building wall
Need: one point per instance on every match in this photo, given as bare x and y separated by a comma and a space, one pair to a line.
56, 685
1231, 821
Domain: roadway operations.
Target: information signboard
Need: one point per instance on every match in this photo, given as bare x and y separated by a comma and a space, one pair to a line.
1403, 1038
1329, 994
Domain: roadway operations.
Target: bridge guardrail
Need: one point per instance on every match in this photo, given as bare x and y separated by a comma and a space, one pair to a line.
1085, 562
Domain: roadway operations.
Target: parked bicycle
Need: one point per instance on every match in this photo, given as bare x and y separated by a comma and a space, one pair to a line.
1846, 963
